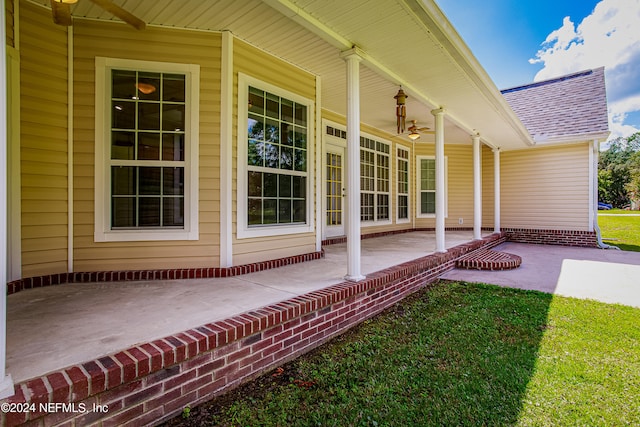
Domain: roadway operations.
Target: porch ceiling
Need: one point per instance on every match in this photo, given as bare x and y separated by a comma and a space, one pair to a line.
408, 42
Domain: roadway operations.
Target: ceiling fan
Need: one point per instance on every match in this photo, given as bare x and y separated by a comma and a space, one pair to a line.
62, 12
415, 131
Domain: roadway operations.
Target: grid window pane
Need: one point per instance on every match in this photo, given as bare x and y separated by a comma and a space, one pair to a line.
277, 140
403, 183
374, 180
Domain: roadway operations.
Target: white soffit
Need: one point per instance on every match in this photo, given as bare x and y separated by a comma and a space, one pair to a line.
404, 41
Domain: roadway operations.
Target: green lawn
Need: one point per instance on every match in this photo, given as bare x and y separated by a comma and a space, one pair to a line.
461, 355
620, 229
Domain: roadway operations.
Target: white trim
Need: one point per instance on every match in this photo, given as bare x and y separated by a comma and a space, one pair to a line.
14, 232
319, 222
408, 160
243, 229
102, 232
418, 190
70, 194
226, 151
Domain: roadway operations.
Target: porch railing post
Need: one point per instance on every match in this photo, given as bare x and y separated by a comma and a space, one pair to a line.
440, 180
496, 187
353, 58
477, 189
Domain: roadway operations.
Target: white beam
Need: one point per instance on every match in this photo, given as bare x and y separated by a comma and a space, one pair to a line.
440, 179
353, 58
496, 189
6, 384
477, 189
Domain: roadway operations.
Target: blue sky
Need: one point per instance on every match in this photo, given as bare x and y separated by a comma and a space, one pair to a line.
519, 42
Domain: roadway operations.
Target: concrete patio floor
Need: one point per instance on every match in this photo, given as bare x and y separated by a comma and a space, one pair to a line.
57, 326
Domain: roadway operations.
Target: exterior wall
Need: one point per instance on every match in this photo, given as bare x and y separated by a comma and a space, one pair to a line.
151, 382
43, 153
459, 188
259, 64
546, 188
9, 17
376, 229
93, 39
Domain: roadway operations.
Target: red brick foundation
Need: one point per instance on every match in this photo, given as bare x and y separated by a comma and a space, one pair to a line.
552, 237
154, 381
167, 274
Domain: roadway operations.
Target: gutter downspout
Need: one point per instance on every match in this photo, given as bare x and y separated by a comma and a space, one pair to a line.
594, 203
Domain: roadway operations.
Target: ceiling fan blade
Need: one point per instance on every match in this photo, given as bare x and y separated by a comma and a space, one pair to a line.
423, 129
61, 13
119, 12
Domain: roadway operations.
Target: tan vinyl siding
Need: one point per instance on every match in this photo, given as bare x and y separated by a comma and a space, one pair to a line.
260, 65
112, 40
9, 8
546, 188
43, 153
459, 187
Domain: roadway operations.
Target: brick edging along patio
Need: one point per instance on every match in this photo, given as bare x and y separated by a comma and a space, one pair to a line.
153, 381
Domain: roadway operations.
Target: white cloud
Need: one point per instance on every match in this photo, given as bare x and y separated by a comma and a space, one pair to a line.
609, 37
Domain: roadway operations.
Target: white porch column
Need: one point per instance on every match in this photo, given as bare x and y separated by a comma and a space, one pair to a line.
496, 187
353, 58
477, 189
6, 384
440, 179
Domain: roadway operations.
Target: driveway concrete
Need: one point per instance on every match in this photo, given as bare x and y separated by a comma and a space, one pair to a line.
600, 274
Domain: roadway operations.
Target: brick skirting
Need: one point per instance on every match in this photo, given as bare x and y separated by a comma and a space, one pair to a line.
587, 239
154, 381
167, 274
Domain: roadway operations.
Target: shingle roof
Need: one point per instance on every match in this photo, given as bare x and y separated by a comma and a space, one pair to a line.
575, 104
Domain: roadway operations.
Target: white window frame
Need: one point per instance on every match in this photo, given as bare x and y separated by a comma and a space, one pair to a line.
377, 221
243, 229
103, 231
398, 193
418, 190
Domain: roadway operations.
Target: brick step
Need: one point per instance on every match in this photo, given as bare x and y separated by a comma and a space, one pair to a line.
487, 259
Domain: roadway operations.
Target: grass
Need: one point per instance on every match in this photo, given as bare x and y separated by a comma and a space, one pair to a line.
620, 230
457, 354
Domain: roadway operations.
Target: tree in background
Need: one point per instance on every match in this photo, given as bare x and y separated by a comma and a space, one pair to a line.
619, 171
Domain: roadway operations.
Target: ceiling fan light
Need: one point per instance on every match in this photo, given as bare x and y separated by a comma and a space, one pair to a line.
413, 135
145, 88
67, 1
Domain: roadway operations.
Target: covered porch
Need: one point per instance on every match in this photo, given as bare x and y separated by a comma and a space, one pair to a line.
81, 322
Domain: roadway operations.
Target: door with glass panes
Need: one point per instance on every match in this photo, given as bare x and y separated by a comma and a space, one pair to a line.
334, 161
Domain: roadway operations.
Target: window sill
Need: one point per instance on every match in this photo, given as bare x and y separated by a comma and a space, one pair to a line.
142, 236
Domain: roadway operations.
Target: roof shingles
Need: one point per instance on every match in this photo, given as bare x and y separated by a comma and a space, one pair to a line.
575, 104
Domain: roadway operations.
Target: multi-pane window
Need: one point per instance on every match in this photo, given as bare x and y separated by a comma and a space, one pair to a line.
147, 154
427, 196
403, 183
277, 132
426, 186
374, 180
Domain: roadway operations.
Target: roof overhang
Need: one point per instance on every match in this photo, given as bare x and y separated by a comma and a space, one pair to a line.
403, 42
